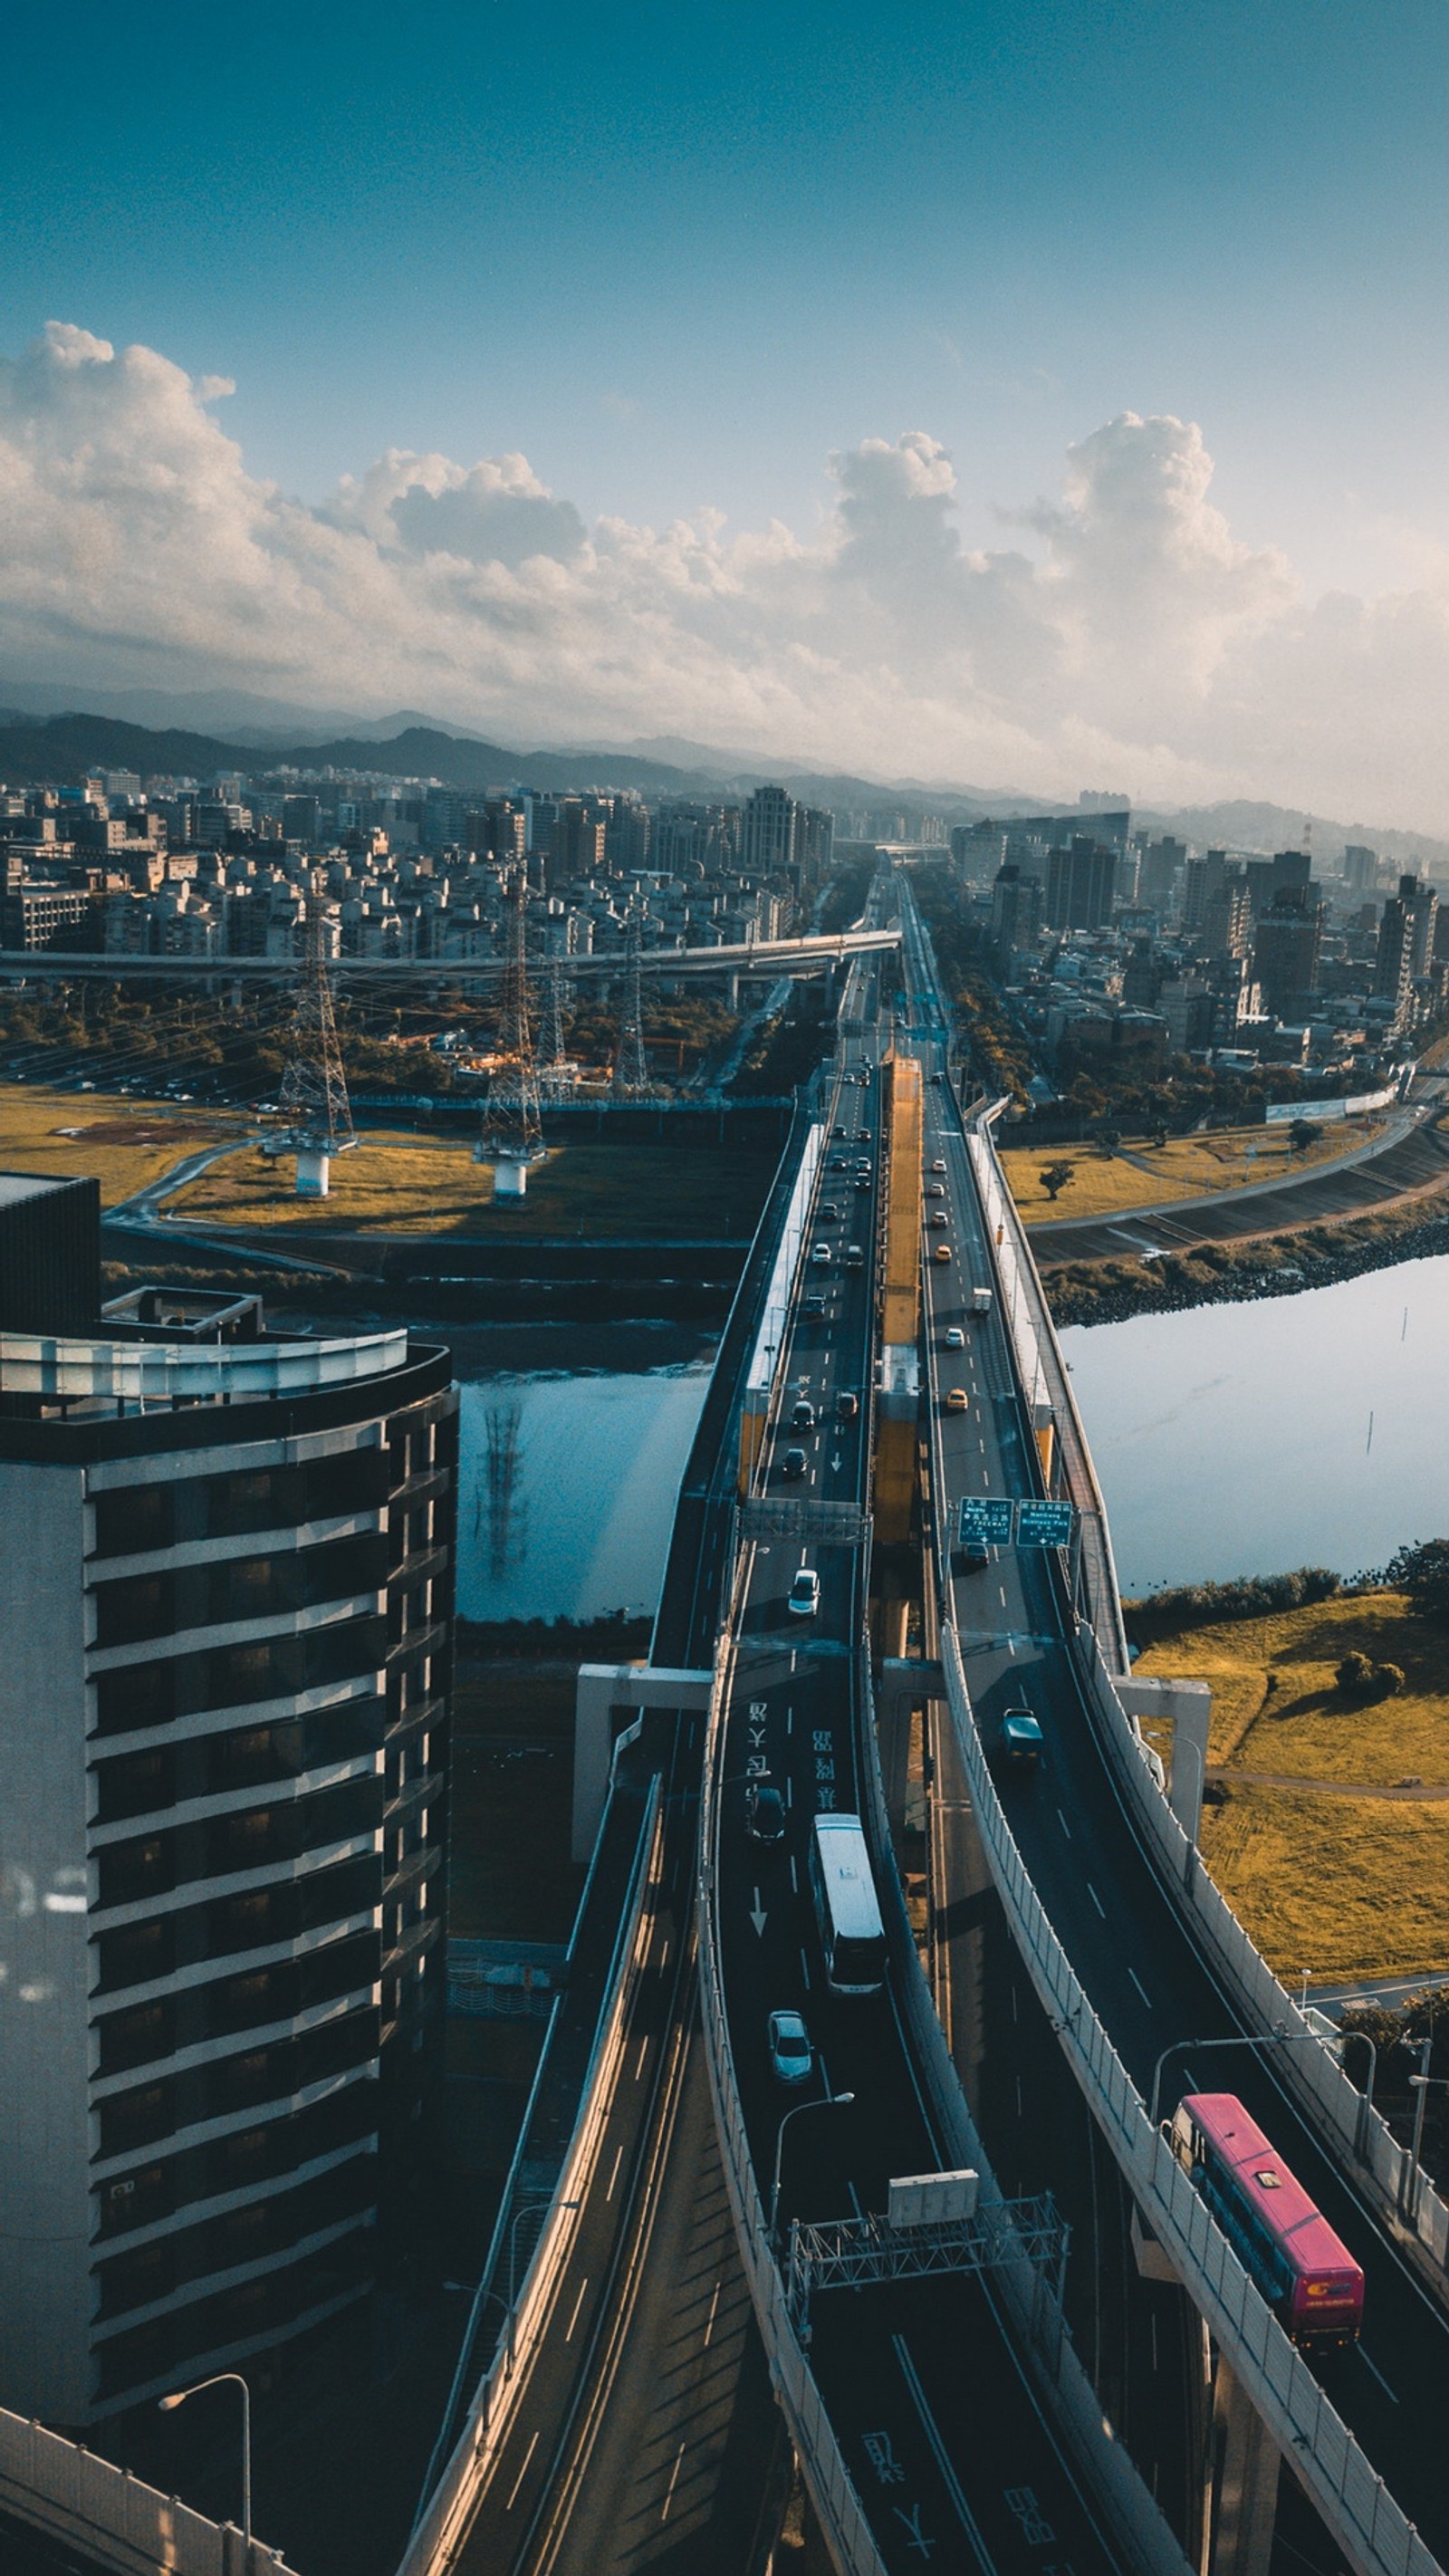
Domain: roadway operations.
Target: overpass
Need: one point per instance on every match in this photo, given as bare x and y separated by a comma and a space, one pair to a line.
1138, 1961
933, 2396
811, 955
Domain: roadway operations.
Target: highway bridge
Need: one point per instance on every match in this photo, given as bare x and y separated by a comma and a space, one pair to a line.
811, 955
944, 2402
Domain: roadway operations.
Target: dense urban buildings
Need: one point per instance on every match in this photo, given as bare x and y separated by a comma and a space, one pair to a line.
227, 1607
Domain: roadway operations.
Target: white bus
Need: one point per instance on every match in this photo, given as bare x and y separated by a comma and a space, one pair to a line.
846, 1909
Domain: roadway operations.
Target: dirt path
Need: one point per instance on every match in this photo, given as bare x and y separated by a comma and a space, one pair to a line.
1410, 1791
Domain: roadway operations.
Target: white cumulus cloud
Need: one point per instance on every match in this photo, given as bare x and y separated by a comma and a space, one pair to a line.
1121, 629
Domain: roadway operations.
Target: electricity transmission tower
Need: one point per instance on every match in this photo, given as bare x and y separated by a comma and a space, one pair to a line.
631, 1069
512, 1135
314, 1086
557, 1074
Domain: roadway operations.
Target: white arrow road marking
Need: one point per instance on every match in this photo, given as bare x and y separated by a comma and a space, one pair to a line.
757, 1913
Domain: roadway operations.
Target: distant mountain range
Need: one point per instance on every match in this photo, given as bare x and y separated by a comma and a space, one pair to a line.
37, 744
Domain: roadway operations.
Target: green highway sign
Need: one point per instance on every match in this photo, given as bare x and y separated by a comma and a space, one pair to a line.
1041, 1524
987, 1517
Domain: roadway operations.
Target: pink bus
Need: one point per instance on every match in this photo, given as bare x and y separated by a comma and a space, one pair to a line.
1304, 2271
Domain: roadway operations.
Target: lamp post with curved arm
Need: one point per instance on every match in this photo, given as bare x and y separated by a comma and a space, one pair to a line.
832, 2102
178, 2397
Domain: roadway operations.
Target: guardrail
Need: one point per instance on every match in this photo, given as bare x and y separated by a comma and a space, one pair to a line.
109, 2518
1372, 2530
832, 2492
443, 2525
1416, 2216
1139, 2525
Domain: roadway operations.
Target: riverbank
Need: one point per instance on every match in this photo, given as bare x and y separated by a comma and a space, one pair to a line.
1326, 1823
1109, 1292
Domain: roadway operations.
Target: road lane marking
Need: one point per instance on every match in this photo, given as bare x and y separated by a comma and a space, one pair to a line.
578, 2303
643, 2053
1096, 1900
1066, 1828
804, 1967
1142, 1990
673, 2477
942, 2456
614, 2176
523, 2472
713, 2311
1390, 2393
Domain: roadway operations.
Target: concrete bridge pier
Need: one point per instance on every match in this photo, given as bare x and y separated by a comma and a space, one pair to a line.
1246, 2463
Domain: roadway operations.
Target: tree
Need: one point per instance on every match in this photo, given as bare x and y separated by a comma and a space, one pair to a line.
1107, 1140
1423, 1572
1360, 1680
1303, 1133
1054, 1179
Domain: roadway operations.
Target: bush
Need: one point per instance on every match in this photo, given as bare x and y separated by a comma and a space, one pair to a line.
1251, 1596
1422, 1572
1360, 1680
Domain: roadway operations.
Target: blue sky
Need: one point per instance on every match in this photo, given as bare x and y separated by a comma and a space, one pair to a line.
677, 254
678, 257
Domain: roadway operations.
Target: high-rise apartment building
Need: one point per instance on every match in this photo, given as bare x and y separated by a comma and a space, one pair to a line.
1080, 885
226, 1587
1287, 942
1405, 941
768, 835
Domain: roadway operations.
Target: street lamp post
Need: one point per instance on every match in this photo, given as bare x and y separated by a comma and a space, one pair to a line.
1421, 2084
179, 2397
1366, 2103
832, 2102
1245, 2039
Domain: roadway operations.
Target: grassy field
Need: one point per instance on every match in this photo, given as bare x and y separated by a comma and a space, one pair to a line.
1342, 1886
411, 1185
93, 1134
1186, 1167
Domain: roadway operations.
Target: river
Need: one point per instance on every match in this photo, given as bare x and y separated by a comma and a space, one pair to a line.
1247, 1439
570, 1467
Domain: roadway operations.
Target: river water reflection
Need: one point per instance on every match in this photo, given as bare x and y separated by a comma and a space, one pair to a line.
568, 1478
1307, 1430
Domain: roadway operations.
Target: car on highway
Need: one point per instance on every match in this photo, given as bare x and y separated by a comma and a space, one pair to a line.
804, 1598
937, 1190
847, 1406
970, 1556
764, 1813
821, 1256
830, 1212
938, 1217
794, 1464
854, 1257
938, 1165
955, 1399
940, 1252
815, 1302
791, 2055
802, 1414
1021, 1739
955, 1338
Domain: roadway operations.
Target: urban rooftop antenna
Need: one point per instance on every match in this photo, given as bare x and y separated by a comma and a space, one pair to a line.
314, 1086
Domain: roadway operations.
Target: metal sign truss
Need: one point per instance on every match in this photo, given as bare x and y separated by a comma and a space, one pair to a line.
832, 1524
850, 2253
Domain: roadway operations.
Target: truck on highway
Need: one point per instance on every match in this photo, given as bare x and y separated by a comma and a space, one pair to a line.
980, 1301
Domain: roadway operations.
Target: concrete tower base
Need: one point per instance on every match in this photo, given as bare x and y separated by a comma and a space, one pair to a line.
313, 1172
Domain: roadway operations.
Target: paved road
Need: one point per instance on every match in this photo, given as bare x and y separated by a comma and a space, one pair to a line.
939, 2427
1414, 1164
1123, 1933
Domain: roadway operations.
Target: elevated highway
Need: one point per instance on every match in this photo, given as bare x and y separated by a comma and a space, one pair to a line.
1148, 1960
